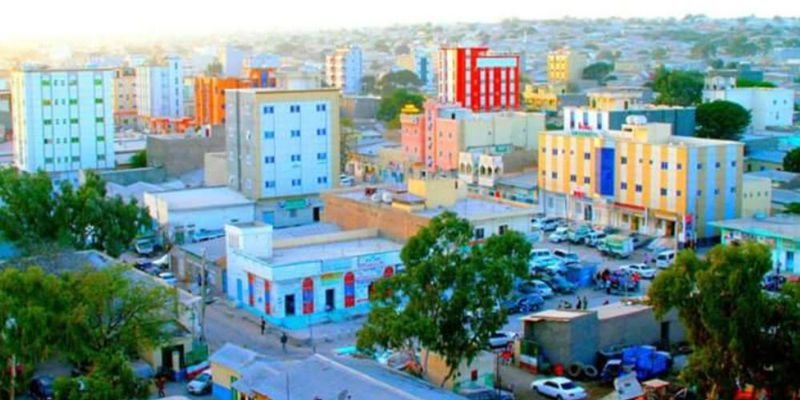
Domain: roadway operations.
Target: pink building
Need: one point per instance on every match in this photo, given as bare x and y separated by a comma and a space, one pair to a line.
431, 135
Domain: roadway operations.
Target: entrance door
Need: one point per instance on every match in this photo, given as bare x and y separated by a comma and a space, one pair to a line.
790, 261
289, 305
316, 214
665, 334
587, 213
268, 217
239, 291
330, 296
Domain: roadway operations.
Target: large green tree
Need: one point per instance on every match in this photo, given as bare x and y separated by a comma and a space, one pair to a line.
139, 159
738, 333
390, 105
446, 300
678, 88
33, 214
721, 119
791, 161
402, 79
111, 378
597, 71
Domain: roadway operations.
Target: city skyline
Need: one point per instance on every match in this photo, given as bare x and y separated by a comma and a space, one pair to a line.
86, 17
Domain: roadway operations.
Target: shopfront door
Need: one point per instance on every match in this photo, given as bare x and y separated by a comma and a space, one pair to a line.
330, 298
288, 304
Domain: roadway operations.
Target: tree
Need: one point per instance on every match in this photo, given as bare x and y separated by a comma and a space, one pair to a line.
34, 215
215, 68
139, 159
792, 208
678, 88
597, 71
721, 119
744, 83
402, 79
390, 106
111, 378
791, 161
369, 84
741, 46
446, 299
739, 335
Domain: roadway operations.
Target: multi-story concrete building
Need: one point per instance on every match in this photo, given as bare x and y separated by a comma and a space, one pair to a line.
283, 150
769, 107
159, 91
437, 134
478, 79
209, 97
420, 62
232, 59
125, 98
263, 77
565, 66
63, 120
681, 119
344, 69
641, 178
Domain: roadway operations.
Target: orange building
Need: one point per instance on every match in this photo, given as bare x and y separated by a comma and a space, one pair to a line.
261, 77
125, 98
209, 97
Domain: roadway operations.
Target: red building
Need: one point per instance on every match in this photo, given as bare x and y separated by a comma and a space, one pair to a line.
477, 79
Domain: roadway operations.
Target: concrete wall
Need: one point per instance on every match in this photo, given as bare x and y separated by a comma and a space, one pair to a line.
215, 167
637, 328
756, 196
360, 107
519, 160
179, 155
351, 214
127, 177
484, 364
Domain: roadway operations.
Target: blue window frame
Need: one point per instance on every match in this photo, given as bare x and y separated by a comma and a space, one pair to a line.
269, 160
295, 133
269, 110
269, 184
269, 134
322, 132
322, 156
295, 157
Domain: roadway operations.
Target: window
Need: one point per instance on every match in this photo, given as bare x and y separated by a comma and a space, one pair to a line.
48, 160
292, 213
295, 157
269, 160
623, 160
553, 175
716, 191
98, 120
322, 180
587, 180
733, 190
699, 192
322, 132
48, 122
678, 193
322, 156
98, 101
101, 157
101, 138
733, 163
502, 229
699, 165
46, 102
664, 165
48, 141
479, 233
294, 108
573, 178
544, 149
269, 134
717, 165
74, 140
638, 188
321, 107
663, 192
73, 102
269, 110
269, 184
680, 166
98, 82
296, 182
587, 156
555, 152
76, 159
295, 133
623, 186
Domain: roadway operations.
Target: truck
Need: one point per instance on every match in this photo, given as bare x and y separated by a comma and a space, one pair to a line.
619, 246
645, 362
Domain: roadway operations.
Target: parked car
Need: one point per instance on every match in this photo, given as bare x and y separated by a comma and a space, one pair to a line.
640, 240
546, 224
773, 282
201, 384
616, 246
346, 180
623, 281
526, 303
536, 253
580, 234
549, 264
665, 258
594, 238
144, 246
561, 285
644, 270
566, 257
201, 235
501, 339
41, 388
559, 388
168, 277
559, 235
542, 289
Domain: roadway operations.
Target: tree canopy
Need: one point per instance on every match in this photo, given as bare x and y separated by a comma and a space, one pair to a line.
791, 161
739, 334
446, 300
678, 88
744, 83
721, 119
390, 106
402, 79
597, 71
34, 214
139, 159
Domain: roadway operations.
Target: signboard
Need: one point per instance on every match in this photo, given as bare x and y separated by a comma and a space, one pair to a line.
294, 204
330, 278
337, 265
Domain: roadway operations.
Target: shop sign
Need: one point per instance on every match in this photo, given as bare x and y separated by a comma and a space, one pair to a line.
330, 278
336, 265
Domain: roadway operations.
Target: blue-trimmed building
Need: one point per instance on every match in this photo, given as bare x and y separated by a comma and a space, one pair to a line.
780, 232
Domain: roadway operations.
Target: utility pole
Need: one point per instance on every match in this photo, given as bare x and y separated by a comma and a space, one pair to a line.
203, 296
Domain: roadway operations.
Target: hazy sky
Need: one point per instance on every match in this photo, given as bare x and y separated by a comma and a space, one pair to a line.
54, 18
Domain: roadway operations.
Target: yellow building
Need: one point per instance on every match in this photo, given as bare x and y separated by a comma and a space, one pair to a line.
617, 99
540, 97
565, 66
756, 196
641, 178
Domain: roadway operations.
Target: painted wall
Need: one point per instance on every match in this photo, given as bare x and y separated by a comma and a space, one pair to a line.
756, 196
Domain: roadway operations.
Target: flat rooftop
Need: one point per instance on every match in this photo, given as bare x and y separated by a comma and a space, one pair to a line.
775, 175
296, 232
619, 309
526, 180
327, 251
477, 208
782, 225
208, 197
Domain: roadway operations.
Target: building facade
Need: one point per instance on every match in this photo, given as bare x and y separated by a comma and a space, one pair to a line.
641, 178
769, 107
565, 66
209, 97
283, 150
476, 79
781, 233
63, 120
681, 119
344, 69
232, 59
125, 112
756, 195
159, 90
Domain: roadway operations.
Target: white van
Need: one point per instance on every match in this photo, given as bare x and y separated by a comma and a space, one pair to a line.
536, 253
665, 258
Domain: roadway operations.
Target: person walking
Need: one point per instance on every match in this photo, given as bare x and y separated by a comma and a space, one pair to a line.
263, 326
585, 303
160, 383
578, 307
284, 339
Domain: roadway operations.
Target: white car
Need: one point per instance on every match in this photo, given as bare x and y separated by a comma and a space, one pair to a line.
566, 257
644, 270
536, 253
559, 388
168, 277
542, 288
501, 339
201, 384
665, 258
561, 234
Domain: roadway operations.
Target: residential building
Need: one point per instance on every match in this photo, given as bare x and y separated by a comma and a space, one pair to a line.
360, 107
641, 178
283, 150
125, 112
681, 119
756, 195
764, 160
209, 97
180, 154
479, 80
781, 233
263, 77
769, 107
297, 80
541, 97
344, 69
184, 213
159, 92
232, 58
619, 98
421, 62
63, 120
565, 66
437, 134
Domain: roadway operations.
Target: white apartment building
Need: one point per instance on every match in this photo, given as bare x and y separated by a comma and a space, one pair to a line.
159, 89
344, 69
767, 106
63, 120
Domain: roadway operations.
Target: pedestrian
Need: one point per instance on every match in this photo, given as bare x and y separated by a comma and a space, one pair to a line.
263, 326
160, 382
605, 303
585, 303
284, 339
578, 307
